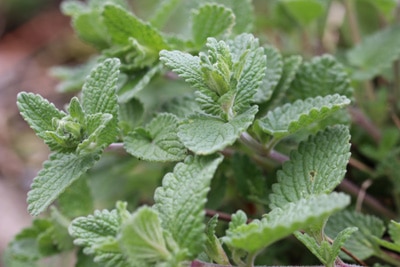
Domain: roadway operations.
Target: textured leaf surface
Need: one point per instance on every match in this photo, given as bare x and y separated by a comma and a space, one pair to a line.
211, 20
394, 232
181, 199
122, 25
281, 222
38, 112
324, 251
141, 238
320, 77
96, 233
272, 75
249, 69
205, 135
185, 65
158, 141
375, 53
292, 117
243, 11
317, 167
59, 172
213, 246
289, 69
98, 93
361, 244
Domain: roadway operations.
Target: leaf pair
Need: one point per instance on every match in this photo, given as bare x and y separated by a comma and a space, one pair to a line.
226, 79
302, 198
76, 139
166, 234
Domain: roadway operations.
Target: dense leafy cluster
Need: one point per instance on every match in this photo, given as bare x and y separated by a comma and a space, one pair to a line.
209, 106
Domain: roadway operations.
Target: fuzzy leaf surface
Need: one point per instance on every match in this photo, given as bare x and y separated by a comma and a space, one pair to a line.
362, 243
211, 20
316, 167
205, 134
324, 251
38, 112
98, 93
272, 75
181, 198
185, 65
292, 117
249, 69
213, 246
122, 25
321, 76
281, 222
97, 234
158, 141
141, 238
290, 67
59, 172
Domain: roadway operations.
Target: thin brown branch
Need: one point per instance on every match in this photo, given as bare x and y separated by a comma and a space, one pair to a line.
361, 120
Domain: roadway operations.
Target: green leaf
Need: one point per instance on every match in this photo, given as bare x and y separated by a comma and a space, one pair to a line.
58, 173
205, 134
211, 20
272, 76
99, 96
90, 28
25, 246
185, 65
122, 26
362, 243
249, 178
76, 200
281, 222
244, 14
38, 113
227, 76
290, 67
163, 12
321, 76
141, 238
181, 199
213, 247
292, 117
238, 219
59, 232
72, 78
304, 11
394, 232
97, 234
324, 251
137, 84
98, 93
370, 61
130, 115
316, 167
158, 141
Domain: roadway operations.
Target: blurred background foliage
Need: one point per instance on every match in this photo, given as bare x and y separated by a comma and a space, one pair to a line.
362, 34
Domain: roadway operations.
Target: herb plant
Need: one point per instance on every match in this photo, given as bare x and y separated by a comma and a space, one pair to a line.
209, 118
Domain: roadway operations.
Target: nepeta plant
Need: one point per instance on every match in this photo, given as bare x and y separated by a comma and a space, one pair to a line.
232, 103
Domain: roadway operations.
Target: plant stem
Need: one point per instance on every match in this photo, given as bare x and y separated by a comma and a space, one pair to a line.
361, 120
